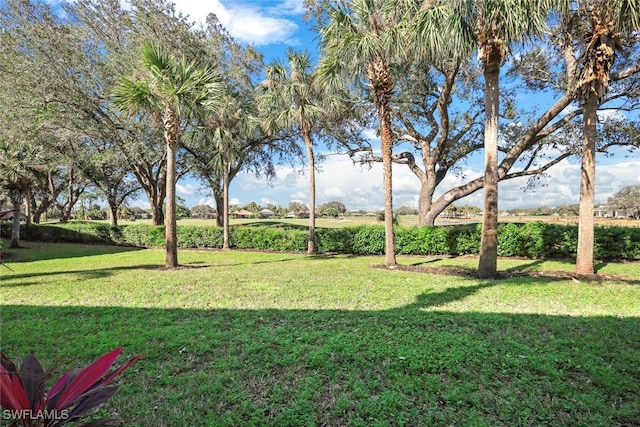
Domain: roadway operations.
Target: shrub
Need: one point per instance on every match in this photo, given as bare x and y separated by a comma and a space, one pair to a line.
532, 239
143, 235
198, 237
23, 396
464, 239
336, 239
369, 240
617, 242
268, 238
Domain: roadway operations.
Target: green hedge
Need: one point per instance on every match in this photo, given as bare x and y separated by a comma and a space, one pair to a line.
531, 239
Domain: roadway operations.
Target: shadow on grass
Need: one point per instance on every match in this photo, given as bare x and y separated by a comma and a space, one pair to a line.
82, 274
436, 299
38, 251
402, 366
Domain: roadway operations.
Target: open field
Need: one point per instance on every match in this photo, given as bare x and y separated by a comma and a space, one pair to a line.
246, 338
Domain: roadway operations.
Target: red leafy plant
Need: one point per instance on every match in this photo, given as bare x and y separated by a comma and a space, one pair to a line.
23, 396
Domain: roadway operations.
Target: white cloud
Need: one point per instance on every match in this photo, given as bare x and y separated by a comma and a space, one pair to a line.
141, 203
611, 114
299, 196
265, 201
371, 134
332, 193
248, 22
209, 201
360, 187
188, 189
289, 7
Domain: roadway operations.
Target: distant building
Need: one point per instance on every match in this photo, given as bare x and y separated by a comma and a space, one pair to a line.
242, 213
266, 213
605, 211
299, 214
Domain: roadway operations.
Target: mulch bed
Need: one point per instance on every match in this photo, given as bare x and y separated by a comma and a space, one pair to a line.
501, 275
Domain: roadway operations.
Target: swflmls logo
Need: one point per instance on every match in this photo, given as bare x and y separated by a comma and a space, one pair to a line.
29, 414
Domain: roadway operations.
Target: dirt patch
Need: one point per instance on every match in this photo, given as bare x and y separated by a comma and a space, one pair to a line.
501, 275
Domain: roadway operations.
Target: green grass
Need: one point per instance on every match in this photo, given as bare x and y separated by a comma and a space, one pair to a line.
244, 338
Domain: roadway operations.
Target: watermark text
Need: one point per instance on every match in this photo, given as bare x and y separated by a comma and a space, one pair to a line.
30, 414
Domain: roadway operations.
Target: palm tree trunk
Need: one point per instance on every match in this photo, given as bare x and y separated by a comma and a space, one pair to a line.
28, 207
386, 144
218, 196
225, 208
488, 263
16, 201
311, 242
171, 233
584, 260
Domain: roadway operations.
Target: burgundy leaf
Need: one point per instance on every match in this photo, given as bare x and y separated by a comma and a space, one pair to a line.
12, 394
120, 370
54, 393
32, 376
86, 378
6, 364
88, 401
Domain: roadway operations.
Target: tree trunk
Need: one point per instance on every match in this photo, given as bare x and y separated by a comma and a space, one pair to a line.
386, 144
113, 213
584, 260
488, 262
311, 241
157, 215
65, 213
218, 196
171, 130
37, 211
171, 234
435, 209
48, 199
27, 207
225, 208
426, 216
16, 200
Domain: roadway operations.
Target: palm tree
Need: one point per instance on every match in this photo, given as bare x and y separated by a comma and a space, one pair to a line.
605, 22
291, 98
490, 26
173, 88
230, 120
360, 45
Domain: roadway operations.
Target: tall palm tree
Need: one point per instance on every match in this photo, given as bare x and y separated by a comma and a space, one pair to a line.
174, 88
360, 45
490, 26
291, 98
231, 120
605, 22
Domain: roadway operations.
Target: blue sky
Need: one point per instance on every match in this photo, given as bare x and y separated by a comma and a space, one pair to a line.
272, 26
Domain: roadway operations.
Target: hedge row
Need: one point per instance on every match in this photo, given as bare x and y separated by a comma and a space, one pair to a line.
532, 239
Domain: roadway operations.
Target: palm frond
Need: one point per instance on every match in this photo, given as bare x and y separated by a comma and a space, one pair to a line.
134, 96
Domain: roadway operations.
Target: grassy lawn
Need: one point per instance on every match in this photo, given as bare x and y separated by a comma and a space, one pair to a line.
242, 338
